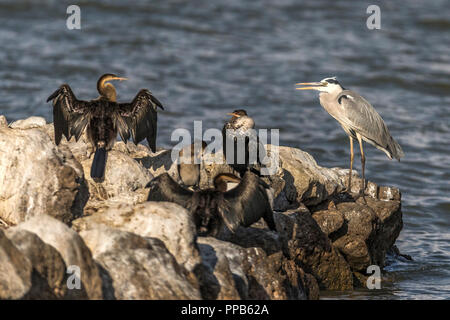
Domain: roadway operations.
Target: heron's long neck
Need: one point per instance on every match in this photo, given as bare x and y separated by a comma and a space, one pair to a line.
328, 100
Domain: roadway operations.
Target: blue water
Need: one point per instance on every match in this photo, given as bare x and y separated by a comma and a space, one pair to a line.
203, 59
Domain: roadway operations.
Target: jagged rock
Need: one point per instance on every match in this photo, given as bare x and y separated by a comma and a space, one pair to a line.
49, 277
163, 220
305, 181
124, 173
360, 219
3, 121
311, 249
217, 281
41, 178
138, 267
72, 249
31, 122
302, 285
15, 271
255, 236
388, 228
96, 205
328, 218
255, 274
355, 251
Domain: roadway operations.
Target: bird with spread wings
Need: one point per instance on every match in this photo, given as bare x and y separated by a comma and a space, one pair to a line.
103, 118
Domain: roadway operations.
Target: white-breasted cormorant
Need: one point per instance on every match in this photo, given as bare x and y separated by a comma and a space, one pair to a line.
239, 132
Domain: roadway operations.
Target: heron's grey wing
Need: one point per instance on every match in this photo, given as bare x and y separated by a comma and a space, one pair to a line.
140, 118
360, 117
247, 203
70, 115
164, 188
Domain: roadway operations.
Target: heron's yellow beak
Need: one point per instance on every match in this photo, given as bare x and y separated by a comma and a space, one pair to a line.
233, 114
310, 85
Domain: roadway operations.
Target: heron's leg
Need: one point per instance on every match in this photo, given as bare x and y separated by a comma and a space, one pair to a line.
363, 163
349, 188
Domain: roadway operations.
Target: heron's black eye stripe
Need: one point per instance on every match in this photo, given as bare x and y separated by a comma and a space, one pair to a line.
331, 81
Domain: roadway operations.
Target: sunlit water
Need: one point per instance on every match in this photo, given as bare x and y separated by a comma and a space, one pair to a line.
203, 59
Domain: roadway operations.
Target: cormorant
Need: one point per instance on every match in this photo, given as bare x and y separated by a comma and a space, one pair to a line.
188, 169
239, 132
211, 208
103, 118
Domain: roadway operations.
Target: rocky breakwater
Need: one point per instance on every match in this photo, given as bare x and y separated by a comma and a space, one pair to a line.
54, 219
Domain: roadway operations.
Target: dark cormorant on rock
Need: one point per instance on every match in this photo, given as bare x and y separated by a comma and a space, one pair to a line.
212, 208
103, 118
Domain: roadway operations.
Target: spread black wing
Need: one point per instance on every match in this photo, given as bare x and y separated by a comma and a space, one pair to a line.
68, 113
140, 118
164, 188
247, 203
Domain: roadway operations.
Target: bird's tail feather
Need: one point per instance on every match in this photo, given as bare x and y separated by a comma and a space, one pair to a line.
99, 163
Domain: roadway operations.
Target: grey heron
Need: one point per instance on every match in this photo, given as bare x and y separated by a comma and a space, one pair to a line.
358, 119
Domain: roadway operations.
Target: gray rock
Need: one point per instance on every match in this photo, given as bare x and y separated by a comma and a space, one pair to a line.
72, 249
124, 174
15, 271
163, 220
31, 122
305, 181
3, 121
216, 278
255, 274
311, 249
138, 267
41, 178
360, 219
49, 277
328, 218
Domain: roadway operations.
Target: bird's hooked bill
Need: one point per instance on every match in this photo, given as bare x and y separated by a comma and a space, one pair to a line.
310, 85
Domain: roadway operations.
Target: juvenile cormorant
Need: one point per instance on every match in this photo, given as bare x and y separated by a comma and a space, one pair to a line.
103, 118
211, 208
188, 169
239, 132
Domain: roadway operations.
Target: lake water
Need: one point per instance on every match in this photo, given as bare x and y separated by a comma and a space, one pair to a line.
205, 58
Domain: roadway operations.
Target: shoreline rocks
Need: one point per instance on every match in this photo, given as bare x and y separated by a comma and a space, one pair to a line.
52, 216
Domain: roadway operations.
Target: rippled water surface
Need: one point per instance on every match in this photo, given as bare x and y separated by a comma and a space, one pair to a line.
205, 58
